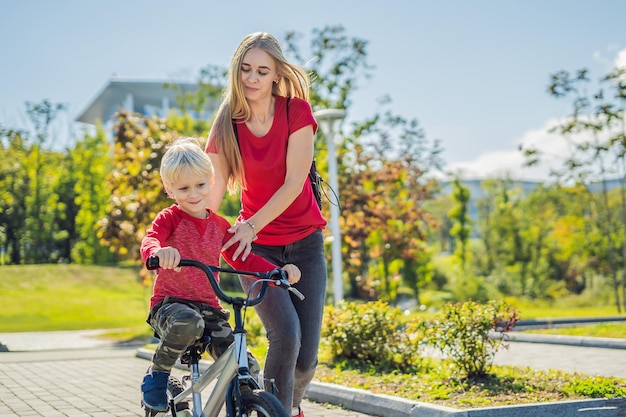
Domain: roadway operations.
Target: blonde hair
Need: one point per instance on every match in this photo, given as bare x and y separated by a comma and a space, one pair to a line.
184, 154
293, 82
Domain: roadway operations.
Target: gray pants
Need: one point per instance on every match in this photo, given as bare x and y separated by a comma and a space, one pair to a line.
178, 326
293, 327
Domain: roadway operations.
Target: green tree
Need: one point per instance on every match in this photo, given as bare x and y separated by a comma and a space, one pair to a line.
383, 186
40, 160
92, 162
383, 181
597, 133
136, 191
64, 207
14, 187
461, 222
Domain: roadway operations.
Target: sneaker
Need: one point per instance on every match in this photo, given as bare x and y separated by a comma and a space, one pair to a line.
154, 390
300, 413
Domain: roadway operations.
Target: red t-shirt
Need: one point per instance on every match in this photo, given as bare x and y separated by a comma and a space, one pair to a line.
198, 239
265, 166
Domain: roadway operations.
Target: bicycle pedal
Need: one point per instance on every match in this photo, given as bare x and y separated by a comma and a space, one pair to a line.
153, 413
183, 405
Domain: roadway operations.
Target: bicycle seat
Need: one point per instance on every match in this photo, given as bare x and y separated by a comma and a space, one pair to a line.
196, 350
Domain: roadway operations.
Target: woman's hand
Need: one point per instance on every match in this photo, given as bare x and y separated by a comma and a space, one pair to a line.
293, 272
244, 233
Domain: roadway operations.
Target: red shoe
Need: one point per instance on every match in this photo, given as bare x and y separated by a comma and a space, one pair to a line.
300, 413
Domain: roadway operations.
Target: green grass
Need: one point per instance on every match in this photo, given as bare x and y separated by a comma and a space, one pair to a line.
505, 385
565, 308
71, 297
612, 330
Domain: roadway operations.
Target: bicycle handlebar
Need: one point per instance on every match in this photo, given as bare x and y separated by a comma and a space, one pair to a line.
278, 277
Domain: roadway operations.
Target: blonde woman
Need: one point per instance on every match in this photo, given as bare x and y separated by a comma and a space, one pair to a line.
262, 144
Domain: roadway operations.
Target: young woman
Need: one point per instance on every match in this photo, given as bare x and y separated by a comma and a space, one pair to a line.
262, 142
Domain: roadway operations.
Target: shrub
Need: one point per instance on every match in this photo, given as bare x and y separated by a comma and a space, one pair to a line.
370, 333
464, 332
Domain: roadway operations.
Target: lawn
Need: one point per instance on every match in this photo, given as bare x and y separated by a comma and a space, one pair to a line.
71, 297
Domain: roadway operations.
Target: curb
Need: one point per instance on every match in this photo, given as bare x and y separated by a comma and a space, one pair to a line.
597, 342
389, 406
365, 402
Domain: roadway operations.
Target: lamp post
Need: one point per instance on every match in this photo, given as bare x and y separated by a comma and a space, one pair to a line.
329, 121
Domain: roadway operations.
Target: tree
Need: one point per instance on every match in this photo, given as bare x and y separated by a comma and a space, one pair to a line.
41, 115
92, 162
597, 120
461, 222
14, 186
384, 182
136, 191
383, 162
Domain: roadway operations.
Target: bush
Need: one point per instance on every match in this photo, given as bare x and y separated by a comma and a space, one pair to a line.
595, 387
464, 332
372, 334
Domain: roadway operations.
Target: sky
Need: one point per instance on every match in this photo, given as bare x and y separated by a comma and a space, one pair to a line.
473, 73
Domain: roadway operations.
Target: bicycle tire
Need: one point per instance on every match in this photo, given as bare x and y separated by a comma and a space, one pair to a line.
175, 387
259, 403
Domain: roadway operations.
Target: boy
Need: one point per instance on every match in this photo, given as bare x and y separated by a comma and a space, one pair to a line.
183, 304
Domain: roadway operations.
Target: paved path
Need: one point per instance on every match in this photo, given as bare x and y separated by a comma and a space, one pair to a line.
92, 380
588, 360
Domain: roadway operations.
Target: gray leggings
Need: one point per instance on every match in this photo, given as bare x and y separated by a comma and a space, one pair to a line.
293, 327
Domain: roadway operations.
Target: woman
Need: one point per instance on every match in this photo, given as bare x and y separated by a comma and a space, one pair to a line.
262, 141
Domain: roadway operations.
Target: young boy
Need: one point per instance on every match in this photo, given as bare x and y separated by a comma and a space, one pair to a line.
183, 305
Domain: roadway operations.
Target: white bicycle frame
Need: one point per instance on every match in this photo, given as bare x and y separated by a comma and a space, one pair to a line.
222, 372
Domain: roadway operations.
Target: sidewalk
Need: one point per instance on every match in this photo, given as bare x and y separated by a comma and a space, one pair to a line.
75, 374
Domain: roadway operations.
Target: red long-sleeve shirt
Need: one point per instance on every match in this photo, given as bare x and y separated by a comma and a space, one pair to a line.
198, 239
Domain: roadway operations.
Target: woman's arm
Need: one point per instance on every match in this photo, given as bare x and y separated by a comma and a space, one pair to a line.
299, 157
218, 186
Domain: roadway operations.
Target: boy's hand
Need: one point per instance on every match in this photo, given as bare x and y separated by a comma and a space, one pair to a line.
293, 272
169, 258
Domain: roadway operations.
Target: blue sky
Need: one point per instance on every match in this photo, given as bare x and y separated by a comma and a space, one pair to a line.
474, 73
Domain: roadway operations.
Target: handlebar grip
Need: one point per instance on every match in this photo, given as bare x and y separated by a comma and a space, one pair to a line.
296, 293
280, 279
152, 263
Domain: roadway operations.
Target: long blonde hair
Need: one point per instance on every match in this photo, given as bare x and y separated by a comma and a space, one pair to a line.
293, 82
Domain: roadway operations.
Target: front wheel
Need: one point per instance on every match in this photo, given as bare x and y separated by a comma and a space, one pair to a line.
259, 403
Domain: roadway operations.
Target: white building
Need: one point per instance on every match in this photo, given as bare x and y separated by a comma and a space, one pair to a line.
139, 96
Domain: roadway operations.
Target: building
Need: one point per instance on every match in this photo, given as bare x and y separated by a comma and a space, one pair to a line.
140, 96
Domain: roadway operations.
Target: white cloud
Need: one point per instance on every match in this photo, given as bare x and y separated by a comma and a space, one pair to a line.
612, 56
510, 162
620, 60
553, 148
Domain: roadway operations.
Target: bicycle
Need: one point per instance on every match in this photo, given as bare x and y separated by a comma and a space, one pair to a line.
233, 384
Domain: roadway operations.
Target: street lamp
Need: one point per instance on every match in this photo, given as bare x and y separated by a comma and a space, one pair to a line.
329, 121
